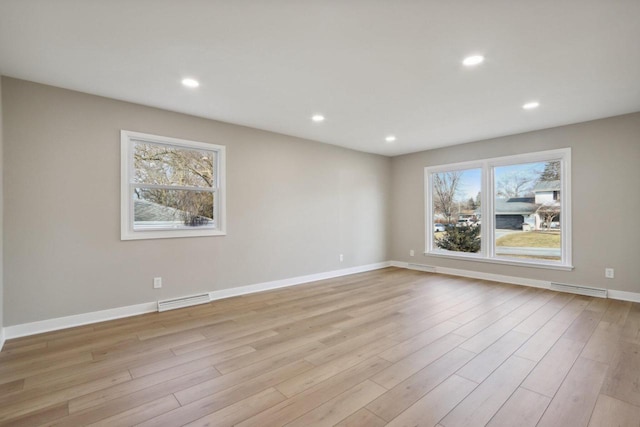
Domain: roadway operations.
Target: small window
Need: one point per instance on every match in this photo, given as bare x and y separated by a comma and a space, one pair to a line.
171, 187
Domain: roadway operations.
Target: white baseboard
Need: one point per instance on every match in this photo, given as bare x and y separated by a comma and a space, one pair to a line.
1, 338
25, 329
544, 284
293, 281
623, 295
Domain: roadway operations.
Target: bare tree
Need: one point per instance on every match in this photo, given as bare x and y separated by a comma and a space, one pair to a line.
445, 187
162, 165
548, 212
515, 183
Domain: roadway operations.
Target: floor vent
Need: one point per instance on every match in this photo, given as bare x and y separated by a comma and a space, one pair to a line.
421, 267
172, 304
581, 290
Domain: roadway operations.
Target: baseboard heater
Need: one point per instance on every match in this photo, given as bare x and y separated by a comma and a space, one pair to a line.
421, 267
581, 290
172, 304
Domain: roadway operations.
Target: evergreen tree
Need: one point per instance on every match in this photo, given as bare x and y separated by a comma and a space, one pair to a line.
551, 171
461, 239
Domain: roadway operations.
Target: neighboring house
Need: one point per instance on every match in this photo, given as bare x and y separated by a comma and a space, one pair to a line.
147, 211
547, 192
513, 212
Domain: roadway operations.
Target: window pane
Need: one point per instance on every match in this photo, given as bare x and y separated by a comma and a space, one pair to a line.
164, 209
456, 210
165, 165
527, 211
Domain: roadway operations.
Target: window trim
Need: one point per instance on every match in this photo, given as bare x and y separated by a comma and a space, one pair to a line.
487, 196
127, 172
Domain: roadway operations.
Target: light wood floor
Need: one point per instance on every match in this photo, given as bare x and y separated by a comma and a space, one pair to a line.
391, 347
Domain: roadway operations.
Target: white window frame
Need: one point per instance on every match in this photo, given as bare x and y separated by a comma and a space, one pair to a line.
127, 185
487, 196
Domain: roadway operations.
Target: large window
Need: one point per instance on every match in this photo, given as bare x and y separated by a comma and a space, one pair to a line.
512, 210
171, 187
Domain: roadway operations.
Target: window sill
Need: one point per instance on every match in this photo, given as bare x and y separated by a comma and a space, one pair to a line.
144, 235
503, 261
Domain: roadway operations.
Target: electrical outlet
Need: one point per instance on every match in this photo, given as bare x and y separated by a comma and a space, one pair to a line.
157, 282
412, 252
608, 273
341, 257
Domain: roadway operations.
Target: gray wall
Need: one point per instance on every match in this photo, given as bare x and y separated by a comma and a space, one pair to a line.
605, 200
293, 207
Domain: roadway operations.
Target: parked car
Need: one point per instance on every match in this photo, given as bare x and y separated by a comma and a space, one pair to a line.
439, 227
464, 222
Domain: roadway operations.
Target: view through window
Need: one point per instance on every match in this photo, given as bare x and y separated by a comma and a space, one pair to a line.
510, 209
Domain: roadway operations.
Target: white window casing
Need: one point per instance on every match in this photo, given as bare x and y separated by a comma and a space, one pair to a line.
167, 229
487, 252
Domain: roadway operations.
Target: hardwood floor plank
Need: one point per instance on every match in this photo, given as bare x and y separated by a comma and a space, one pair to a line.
223, 382
623, 379
483, 402
341, 406
38, 416
573, 403
310, 399
427, 411
333, 367
98, 397
126, 402
523, 409
488, 360
362, 418
218, 400
239, 411
409, 391
413, 363
615, 413
603, 344
140, 413
547, 376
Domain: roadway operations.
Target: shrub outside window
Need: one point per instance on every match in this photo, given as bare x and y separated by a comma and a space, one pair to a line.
171, 187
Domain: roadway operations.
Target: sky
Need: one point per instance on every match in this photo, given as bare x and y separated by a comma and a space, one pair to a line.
471, 180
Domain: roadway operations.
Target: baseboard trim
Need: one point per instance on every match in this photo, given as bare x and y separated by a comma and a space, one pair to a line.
293, 281
623, 295
523, 281
26, 329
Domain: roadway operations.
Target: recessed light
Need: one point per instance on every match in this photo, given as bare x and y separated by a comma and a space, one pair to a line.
190, 82
470, 61
390, 138
531, 105
317, 118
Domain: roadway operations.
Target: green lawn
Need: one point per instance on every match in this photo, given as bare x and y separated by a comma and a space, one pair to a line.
531, 239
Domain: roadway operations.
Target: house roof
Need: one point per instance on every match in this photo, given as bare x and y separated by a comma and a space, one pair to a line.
515, 206
547, 186
150, 211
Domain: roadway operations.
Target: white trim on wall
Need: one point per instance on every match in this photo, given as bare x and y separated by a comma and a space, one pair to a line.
25, 329
522, 281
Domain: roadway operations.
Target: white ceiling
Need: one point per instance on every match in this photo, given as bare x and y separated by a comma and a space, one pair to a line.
372, 67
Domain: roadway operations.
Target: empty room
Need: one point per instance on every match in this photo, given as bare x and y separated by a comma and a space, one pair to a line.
320, 213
